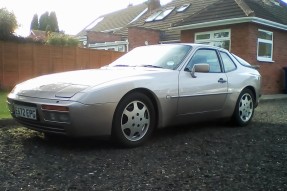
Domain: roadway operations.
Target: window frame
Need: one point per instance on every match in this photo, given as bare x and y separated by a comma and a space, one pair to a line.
187, 66
212, 40
153, 16
164, 13
223, 65
160, 14
183, 7
265, 41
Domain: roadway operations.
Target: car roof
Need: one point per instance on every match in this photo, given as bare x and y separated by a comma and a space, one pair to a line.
195, 45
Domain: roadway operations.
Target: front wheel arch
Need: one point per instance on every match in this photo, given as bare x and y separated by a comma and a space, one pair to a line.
153, 99
132, 106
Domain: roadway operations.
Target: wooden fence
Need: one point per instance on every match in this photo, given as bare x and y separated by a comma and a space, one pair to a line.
19, 62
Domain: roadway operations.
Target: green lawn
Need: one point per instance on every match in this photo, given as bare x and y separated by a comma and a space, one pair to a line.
4, 112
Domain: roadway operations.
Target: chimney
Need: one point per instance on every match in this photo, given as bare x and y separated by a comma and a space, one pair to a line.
153, 4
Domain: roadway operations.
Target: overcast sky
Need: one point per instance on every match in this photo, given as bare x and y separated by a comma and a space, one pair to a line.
72, 15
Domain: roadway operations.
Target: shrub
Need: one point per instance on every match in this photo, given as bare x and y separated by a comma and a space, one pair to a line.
62, 40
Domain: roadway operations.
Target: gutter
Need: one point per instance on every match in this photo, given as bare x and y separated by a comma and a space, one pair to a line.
232, 21
106, 44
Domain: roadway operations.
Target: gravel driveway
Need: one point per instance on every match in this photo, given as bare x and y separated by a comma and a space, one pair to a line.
209, 156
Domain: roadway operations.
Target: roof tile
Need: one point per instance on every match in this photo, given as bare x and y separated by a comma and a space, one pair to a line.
173, 17
228, 9
116, 20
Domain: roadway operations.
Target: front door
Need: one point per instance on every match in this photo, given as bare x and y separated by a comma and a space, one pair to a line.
207, 91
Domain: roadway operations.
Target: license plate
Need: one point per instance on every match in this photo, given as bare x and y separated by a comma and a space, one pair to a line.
25, 112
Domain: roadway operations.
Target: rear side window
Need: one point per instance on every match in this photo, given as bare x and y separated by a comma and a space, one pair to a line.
227, 62
205, 56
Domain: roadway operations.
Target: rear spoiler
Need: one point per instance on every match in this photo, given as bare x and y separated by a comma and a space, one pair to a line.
255, 67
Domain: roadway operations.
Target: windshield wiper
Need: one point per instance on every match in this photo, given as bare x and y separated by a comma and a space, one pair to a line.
147, 65
150, 66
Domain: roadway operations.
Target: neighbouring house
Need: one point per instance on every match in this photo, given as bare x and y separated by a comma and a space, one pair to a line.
256, 30
154, 28
110, 32
39, 35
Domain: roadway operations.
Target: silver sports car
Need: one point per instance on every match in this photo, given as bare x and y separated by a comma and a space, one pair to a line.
149, 87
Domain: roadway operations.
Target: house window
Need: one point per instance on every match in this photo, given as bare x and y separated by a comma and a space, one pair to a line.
160, 15
164, 14
94, 23
183, 8
153, 16
265, 46
216, 38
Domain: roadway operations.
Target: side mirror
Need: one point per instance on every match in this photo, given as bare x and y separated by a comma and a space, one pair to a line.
202, 68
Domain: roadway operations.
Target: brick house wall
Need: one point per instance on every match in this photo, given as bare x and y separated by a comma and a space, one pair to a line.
100, 37
138, 36
244, 44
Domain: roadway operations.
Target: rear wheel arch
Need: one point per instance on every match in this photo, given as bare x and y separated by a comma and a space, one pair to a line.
252, 89
244, 107
256, 96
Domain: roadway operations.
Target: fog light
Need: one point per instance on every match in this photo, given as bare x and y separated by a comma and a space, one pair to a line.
56, 113
64, 118
52, 116
58, 117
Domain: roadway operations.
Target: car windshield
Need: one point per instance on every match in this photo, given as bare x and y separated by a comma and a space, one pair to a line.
155, 56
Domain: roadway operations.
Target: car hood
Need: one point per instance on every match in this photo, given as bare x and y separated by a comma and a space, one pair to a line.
67, 84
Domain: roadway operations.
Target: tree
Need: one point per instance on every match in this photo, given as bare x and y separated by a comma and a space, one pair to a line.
53, 22
35, 23
49, 22
44, 21
8, 23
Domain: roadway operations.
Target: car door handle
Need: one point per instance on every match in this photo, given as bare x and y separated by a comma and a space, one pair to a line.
221, 80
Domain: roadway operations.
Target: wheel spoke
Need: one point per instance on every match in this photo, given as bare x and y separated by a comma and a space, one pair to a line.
128, 114
127, 125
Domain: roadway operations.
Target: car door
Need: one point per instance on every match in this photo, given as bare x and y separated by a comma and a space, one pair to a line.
205, 92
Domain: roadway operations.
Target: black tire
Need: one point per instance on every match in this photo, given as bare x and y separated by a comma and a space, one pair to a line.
134, 120
244, 109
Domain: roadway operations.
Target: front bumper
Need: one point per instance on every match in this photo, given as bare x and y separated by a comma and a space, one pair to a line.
84, 120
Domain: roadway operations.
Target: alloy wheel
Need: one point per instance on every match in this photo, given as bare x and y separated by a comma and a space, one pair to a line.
135, 120
246, 107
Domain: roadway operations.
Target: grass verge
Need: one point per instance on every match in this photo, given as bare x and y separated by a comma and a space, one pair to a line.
4, 112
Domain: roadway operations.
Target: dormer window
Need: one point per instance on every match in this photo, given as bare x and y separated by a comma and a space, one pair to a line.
183, 8
160, 15
164, 13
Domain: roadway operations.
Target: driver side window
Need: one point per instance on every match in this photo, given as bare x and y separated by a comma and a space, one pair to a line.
205, 56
